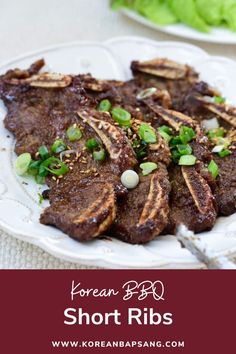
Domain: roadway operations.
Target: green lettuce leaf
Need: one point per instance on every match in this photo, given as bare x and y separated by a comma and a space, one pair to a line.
186, 12
157, 11
117, 4
211, 11
229, 13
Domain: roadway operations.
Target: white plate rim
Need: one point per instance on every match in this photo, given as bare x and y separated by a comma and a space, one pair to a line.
85, 259
181, 30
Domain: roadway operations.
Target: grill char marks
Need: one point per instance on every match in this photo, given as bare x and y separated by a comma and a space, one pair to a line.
225, 186
84, 211
193, 180
165, 68
90, 200
144, 213
83, 204
113, 138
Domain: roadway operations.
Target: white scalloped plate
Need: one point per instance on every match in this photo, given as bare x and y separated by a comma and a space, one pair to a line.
19, 207
216, 34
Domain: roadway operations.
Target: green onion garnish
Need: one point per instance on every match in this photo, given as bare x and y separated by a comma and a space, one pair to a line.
186, 134
224, 152
175, 141
34, 167
58, 146
216, 133
54, 165
213, 168
140, 148
166, 129
148, 167
73, 133
41, 199
22, 163
104, 106
91, 144
147, 133
187, 160
121, 116
43, 152
184, 149
40, 179
219, 99
175, 155
99, 155
165, 136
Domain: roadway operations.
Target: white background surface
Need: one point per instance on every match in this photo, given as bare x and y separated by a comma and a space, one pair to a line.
28, 25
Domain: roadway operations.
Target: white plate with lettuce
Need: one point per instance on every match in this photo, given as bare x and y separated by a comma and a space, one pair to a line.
204, 20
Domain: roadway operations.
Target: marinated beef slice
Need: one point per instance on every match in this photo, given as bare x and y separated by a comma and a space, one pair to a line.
143, 213
89, 200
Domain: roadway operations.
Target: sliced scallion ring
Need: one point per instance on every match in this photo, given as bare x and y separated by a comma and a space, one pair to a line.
58, 146
73, 133
22, 163
43, 152
224, 153
99, 155
147, 133
187, 160
104, 106
213, 168
121, 116
219, 99
146, 93
165, 136
184, 149
186, 134
148, 167
91, 144
166, 129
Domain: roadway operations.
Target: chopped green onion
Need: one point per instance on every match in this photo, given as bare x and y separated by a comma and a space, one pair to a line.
41, 199
175, 141
91, 144
213, 168
58, 146
175, 155
166, 129
147, 133
146, 93
40, 179
187, 160
43, 152
184, 149
224, 153
140, 148
216, 133
73, 133
104, 106
22, 163
219, 99
148, 167
99, 155
186, 134
121, 116
165, 136
34, 167
55, 166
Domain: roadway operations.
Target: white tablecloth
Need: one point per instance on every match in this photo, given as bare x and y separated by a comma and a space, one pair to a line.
27, 25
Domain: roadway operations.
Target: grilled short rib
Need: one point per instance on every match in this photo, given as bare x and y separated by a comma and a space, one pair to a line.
90, 200
84, 202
